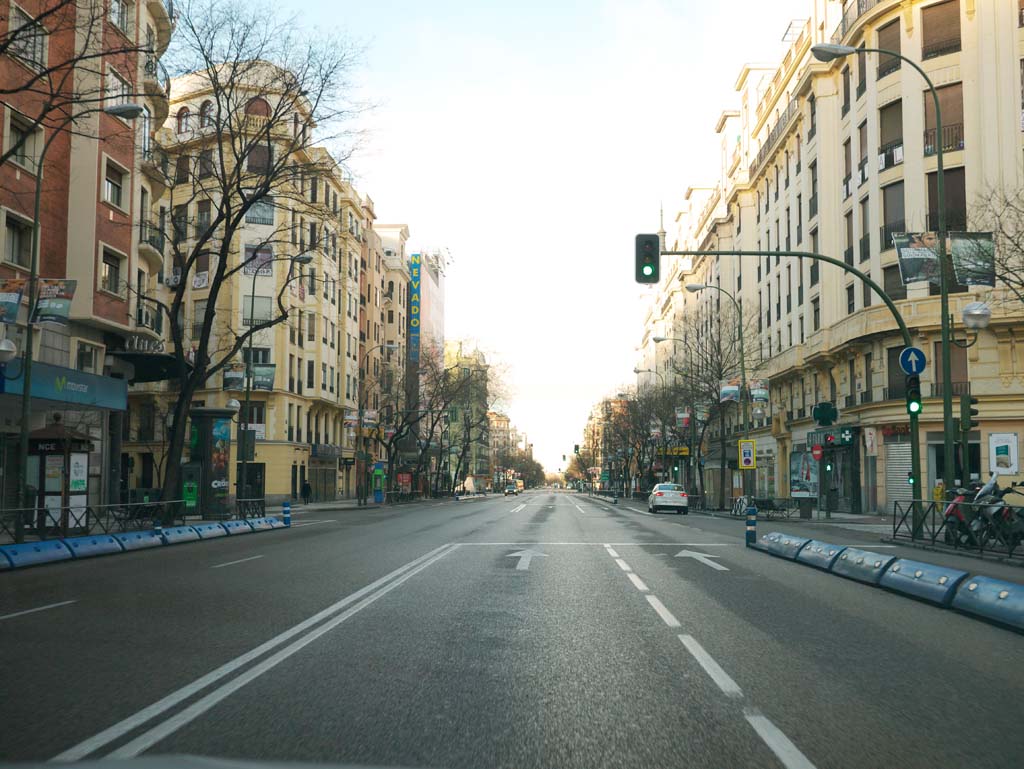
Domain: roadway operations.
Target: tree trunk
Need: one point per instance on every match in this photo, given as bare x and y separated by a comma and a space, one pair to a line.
724, 461
171, 489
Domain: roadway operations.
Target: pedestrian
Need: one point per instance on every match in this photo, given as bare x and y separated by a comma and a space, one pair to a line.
307, 492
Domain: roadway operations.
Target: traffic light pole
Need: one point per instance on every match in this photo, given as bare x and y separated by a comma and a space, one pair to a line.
915, 438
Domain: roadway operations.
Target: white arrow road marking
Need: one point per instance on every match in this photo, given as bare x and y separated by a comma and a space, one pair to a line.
525, 556
704, 558
517, 508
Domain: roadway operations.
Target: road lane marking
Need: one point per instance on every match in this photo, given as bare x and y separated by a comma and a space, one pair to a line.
622, 564
148, 739
578, 507
33, 611
637, 582
788, 753
518, 508
664, 613
712, 668
150, 712
611, 552
525, 556
703, 558
308, 523
232, 563
602, 544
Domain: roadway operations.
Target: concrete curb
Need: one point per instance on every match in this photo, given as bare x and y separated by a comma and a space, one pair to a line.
1001, 604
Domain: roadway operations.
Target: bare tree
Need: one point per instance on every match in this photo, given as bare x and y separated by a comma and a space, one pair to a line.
1001, 212
270, 94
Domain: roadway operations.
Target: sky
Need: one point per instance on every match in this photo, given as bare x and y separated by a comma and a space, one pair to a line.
533, 140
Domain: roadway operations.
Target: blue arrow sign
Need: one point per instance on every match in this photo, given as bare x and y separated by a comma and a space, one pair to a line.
912, 360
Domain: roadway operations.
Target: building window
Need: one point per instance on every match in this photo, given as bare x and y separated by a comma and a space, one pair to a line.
310, 370
120, 14
88, 358
323, 376
846, 90
261, 211
206, 114
862, 71
259, 307
179, 223
23, 142
259, 355
851, 304
892, 282
113, 186
813, 114
951, 102
889, 40
815, 314
117, 88
259, 158
311, 327
17, 241
202, 218
27, 41
940, 24
184, 120
867, 292
205, 164
110, 279
893, 213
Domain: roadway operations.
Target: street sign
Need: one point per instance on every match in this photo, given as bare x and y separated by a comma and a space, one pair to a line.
912, 360
817, 452
748, 454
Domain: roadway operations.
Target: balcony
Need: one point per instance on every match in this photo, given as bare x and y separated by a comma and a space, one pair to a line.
849, 401
812, 206
887, 230
958, 388
938, 48
155, 165
157, 83
865, 247
151, 245
952, 139
895, 393
774, 135
890, 155
164, 17
852, 12
867, 396
890, 66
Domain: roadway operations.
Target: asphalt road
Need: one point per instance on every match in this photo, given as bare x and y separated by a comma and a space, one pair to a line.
546, 630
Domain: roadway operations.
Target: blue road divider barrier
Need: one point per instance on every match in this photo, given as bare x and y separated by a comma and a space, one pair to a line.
93, 545
937, 584
32, 553
173, 535
237, 527
751, 526
276, 523
820, 555
286, 509
139, 540
5, 562
260, 524
209, 530
862, 565
783, 545
992, 599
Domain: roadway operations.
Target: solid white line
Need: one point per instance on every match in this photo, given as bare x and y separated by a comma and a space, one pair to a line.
232, 563
611, 552
309, 523
136, 720
788, 753
622, 564
664, 613
637, 582
148, 739
33, 611
712, 668
578, 507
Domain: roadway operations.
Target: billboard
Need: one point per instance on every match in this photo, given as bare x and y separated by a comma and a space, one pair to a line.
918, 256
974, 258
414, 308
11, 290
53, 304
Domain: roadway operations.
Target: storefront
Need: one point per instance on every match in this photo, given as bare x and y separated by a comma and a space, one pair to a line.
323, 471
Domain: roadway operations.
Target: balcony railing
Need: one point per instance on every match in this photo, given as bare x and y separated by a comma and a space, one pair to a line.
887, 230
897, 392
888, 66
865, 247
854, 10
940, 47
952, 139
152, 236
958, 388
956, 221
867, 395
890, 155
848, 255
849, 401
773, 136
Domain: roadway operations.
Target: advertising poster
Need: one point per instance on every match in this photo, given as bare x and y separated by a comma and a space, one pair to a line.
917, 255
54, 303
729, 391
263, 376
1002, 453
803, 474
11, 290
682, 417
758, 391
234, 379
974, 258
78, 476
219, 456
258, 261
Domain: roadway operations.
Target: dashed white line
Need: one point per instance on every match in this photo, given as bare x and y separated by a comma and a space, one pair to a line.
788, 753
611, 551
232, 563
666, 616
578, 507
33, 611
622, 564
712, 668
638, 583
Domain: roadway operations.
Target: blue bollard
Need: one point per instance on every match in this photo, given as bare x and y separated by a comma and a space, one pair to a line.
286, 510
751, 526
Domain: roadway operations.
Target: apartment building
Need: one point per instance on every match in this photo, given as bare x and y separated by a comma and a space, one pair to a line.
834, 158
95, 199
467, 445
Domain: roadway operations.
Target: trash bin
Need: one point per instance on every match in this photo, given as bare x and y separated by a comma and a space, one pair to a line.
805, 506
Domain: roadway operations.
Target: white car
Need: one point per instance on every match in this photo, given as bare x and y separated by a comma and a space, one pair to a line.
668, 496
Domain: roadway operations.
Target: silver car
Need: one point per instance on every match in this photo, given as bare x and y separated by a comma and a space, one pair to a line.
669, 496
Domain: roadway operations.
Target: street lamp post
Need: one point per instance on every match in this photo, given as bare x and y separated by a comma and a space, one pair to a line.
242, 483
827, 52
127, 111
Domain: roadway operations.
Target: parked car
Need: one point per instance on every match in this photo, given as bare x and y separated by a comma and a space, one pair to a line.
668, 496
511, 489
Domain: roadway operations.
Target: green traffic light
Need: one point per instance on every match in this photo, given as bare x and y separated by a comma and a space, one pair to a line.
914, 407
648, 270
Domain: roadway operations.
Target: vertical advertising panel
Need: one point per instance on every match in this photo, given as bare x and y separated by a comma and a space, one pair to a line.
414, 308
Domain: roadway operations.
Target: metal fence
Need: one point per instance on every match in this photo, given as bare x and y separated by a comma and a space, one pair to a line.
251, 508
80, 520
767, 507
971, 527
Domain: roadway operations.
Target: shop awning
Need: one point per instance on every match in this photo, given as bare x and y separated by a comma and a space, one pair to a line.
150, 366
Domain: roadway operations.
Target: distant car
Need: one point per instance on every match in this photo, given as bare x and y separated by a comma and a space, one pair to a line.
668, 496
511, 489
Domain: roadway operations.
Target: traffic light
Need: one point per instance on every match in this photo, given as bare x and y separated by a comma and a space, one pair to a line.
913, 389
576, 448
563, 457
968, 413
828, 465
910, 478
648, 258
